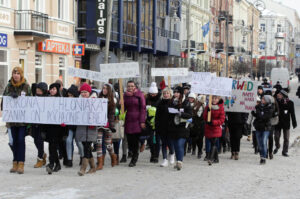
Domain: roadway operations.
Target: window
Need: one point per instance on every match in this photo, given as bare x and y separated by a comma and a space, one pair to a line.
3, 71
62, 69
23, 4
279, 28
38, 68
279, 47
5, 3
63, 9
262, 45
40, 6
263, 27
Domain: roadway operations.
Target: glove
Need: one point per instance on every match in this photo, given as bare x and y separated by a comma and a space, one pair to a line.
113, 130
208, 109
14, 95
209, 123
63, 125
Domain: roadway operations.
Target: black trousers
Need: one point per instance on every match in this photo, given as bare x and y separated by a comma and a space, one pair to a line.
133, 143
54, 139
87, 150
235, 137
271, 140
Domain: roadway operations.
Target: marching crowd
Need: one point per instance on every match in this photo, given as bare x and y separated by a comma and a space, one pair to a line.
173, 121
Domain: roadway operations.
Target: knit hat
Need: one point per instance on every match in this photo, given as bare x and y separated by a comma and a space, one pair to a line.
178, 89
153, 88
192, 95
85, 87
201, 98
268, 99
186, 86
73, 90
284, 93
260, 87
43, 86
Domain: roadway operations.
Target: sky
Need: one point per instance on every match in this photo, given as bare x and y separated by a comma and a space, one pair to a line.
291, 3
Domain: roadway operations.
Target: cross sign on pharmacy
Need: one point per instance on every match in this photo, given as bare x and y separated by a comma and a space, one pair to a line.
78, 49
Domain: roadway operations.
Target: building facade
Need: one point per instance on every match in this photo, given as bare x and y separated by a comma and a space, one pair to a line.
38, 36
145, 31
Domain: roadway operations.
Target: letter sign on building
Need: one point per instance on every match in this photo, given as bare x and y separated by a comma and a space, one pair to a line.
101, 18
52, 46
3, 40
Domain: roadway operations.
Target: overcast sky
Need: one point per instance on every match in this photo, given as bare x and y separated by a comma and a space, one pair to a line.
292, 3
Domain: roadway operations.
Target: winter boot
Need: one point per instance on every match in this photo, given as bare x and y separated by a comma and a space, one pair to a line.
100, 163
151, 158
206, 157
92, 166
20, 169
155, 160
14, 167
103, 159
194, 152
39, 163
213, 154
118, 160
133, 160
199, 155
271, 155
80, 162
113, 158
69, 163
165, 163
49, 168
236, 156
83, 167
232, 155
262, 161
275, 151
172, 158
129, 154
123, 159
57, 167
44, 159
179, 165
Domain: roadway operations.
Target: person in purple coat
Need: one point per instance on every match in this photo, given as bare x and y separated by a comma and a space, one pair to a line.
135, 108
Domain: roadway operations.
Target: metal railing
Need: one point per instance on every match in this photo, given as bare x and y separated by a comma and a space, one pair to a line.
166, 33
31, 21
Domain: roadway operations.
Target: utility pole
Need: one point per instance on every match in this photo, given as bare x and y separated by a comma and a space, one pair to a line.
252, 29
227, 38
188, 34
108, 29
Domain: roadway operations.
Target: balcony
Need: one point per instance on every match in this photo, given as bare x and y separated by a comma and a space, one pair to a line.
219, 47
200, 48
280, 35
230, 50
31, 23
222, 15
162, 37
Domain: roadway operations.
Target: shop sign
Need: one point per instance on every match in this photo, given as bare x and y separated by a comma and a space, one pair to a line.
3, 40
101, 18
78, 49
52, 46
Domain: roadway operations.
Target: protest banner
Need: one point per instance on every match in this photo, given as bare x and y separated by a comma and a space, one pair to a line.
86, 74
172, 72
55, 110
191, 77
243, 98
210, 85
120, 70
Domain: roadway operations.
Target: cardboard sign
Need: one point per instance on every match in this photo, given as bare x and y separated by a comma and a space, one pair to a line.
171, 72
120, 70
52, 46
86, 74
210, 85
243, 97
55, 110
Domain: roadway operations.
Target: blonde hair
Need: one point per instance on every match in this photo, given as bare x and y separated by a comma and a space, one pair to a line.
167, 89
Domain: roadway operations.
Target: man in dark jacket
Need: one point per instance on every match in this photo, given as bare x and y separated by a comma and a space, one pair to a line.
286, 112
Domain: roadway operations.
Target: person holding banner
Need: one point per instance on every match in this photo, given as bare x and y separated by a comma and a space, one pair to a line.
107, 131
213, 127
54, 135
180, 111
17, 86
87, 135
135, 108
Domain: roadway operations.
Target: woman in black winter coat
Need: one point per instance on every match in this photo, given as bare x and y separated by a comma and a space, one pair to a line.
179, 112
161, 126
54, 135
262, 123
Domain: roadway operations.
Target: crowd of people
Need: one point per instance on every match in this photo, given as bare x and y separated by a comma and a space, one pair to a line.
173, 121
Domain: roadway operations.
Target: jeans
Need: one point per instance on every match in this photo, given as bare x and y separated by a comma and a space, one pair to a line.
38, 140
262, 139
18, 135
286, 137
10, 138
70, 145
80, 148
208, 145
179, 148
116, 145
166, 142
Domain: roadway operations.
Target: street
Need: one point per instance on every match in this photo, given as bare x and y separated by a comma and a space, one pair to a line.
244, 178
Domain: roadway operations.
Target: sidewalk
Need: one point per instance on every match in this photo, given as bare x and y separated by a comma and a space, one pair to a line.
2, 126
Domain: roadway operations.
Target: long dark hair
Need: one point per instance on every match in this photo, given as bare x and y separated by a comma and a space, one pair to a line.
109, 96
180, 100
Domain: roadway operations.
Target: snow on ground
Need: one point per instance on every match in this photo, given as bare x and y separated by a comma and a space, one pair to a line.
245, 178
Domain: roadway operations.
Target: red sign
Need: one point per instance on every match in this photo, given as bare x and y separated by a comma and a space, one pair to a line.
78, 49
52, 46
279, 58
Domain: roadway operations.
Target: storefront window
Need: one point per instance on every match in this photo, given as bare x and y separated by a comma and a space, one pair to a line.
3, 70
38, 68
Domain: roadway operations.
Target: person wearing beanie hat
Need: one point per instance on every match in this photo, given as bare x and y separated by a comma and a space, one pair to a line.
260, 91
286, 116
73, 91
192, 95
41, 91
178, 89
17, 86
86, 88
262, 123
152, 100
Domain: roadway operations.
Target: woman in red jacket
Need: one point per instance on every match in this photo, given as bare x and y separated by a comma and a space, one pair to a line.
213, 129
